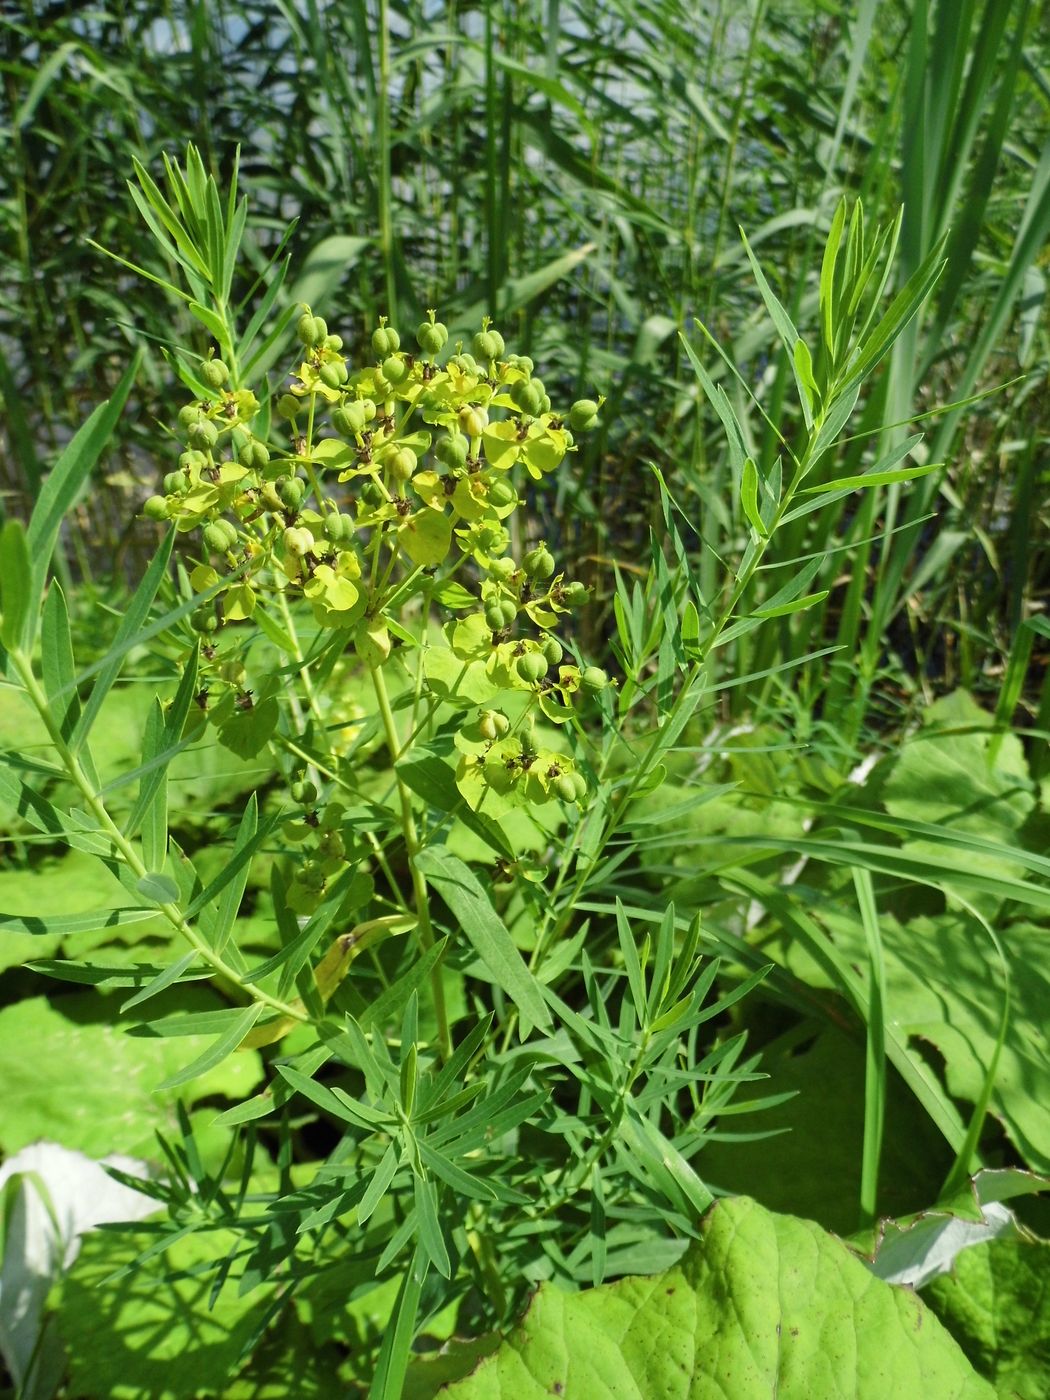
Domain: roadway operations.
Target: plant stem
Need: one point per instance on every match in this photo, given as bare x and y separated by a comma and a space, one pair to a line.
128, 854
412, 847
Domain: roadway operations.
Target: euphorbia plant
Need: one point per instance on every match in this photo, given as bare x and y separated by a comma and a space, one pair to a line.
363, 494
352, 596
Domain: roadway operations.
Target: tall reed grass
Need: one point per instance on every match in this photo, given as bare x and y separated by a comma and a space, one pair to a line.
580, 169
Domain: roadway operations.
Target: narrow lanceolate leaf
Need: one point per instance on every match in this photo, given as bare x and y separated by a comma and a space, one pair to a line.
329, 973
799, 605
39, 813
218, 1051
155, 813
63, 485
873, 478
749, 497
784, 325
161, 889
134, 616
73, 923
15, 585
169, 743
57, 668
230, 900
901, 310
161, 980
485, 931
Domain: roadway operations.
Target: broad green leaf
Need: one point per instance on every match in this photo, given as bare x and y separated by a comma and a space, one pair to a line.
426, 537
248, 732
811, 1165
760, 1305
485, 930
971, 782
430, 777
996, 1303
916, 1250
158, 1331
78, 1080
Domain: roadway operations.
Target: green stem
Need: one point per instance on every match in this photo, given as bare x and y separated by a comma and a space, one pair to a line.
126, 850
412, 847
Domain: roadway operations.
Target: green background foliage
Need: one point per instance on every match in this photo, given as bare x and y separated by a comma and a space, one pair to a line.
791, 946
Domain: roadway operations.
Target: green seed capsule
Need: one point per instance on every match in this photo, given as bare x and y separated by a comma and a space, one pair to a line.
156, 508
189, 414
501, 493
192, 461
204, 620
473, 419
494, 616
502, 570
575, 594
487, 725
488, 345
333, 342
552, 650
538, 563
579, 782
452, 450
333, 373
175, 483
254, 455
583, 415
593, 680
230, 531
216, 538
288, 406
402, 464
331, 846
531, 667
304, 792
431, 337
466, 364
385, 341
214, 373
395, 370
339, 528
350, 418
372, 493
298, 541
291, 491
311, 330
565, 788
203, 434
